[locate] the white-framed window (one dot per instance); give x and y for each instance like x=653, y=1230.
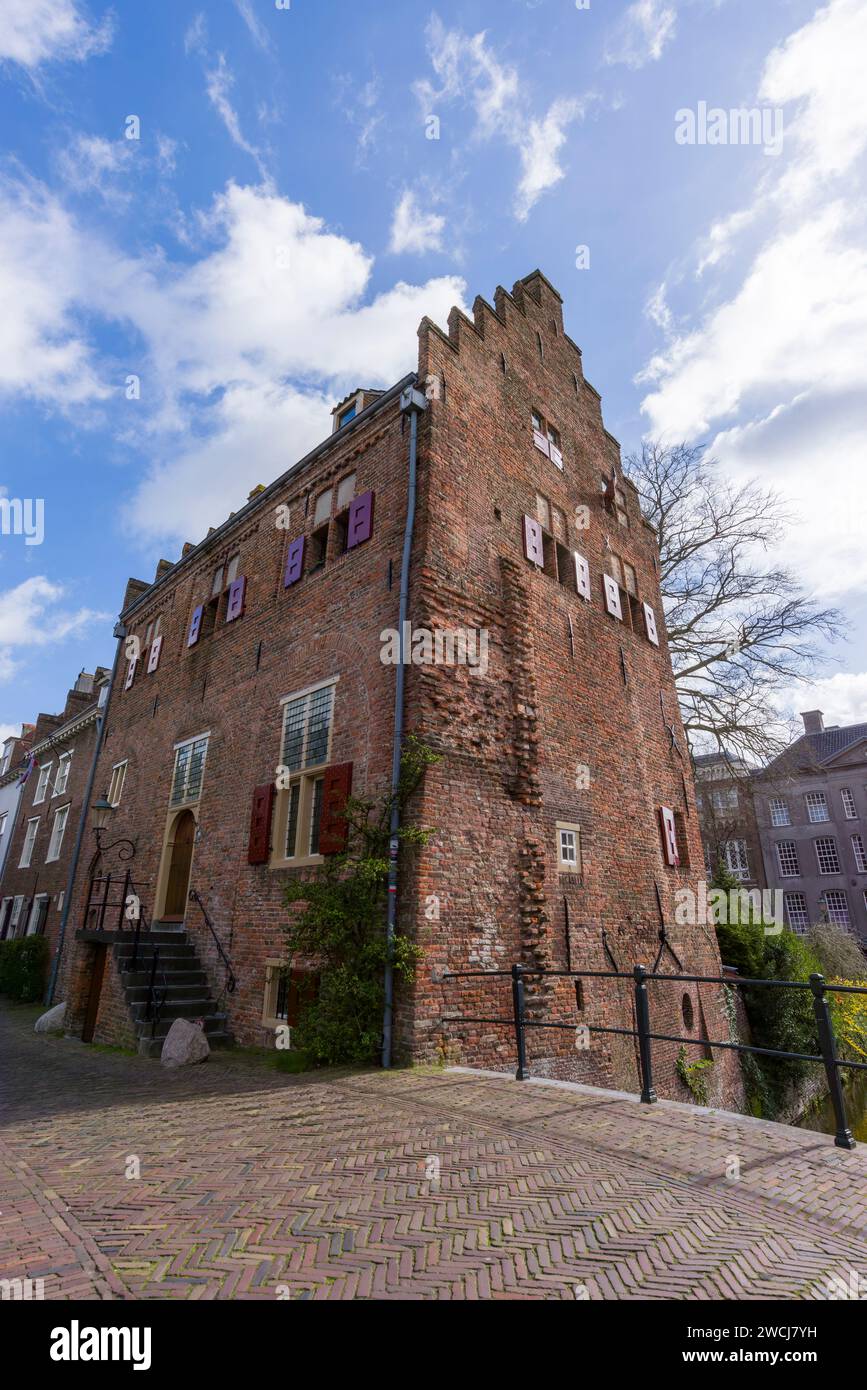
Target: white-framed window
x=860, y=856
x=189, y=769
x=4, y=816
x=736, y=860
x=836, y=905
x=827, y=856
x=849, y=809
x=724, y=798
x=305, y=750
x=817, y=806
x=29, y=842
x=60, y=898
x=115, y=786
x=62, y=775
x=787, y=858
x=42, y=782
x=568, y=848
x=61, y=816
x=17, y=905
x=38, y=914
x=796, y=911
x=779, y=811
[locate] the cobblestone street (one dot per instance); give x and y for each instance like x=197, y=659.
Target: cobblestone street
x=257, y=1184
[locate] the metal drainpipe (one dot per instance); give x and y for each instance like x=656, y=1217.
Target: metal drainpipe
x=120, y=634
x=413, y=401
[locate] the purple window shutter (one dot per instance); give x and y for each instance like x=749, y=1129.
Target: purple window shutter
x=195, y=625
x=533, y=548
x=235, y=605
x=294, y=562
x=360, y=520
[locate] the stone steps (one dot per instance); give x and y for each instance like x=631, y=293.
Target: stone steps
x=180, y=985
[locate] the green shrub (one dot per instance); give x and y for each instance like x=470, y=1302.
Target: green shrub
x=23, y=963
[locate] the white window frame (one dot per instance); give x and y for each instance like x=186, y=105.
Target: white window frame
x=859, y=853
x=52, y=857
x=566, y=864
x=64, y=763
x=187, y=800
x=817, y=801
x=779, y=807
x=736, y=850
x=302, y=785
x=34, y=909
x=117, y=781
x=843, y=919
x=17, y=903
x=4, y=816
x=803, y=910
x=792, y=850
x=42, y=781
x=827, y=840
x=850, y=810
x=29, y=842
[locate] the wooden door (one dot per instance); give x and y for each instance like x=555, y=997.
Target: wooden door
x=179, y=868
x=100, y=954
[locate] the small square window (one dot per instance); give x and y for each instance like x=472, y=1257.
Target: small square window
x=568, y=848
x=322, y=509
x=346, y=415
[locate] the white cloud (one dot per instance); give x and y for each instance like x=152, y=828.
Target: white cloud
x=32, y=615
x=33, y=32
x=9, y=730
x=468, y=69
x=91, y=164
x=414, y=230
x=257, y=29
x=218, y=83
x=241, y=350
x=771, y=374
x=642, y=33
x=842, y=698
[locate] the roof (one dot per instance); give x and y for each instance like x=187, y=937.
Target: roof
x=822, y=747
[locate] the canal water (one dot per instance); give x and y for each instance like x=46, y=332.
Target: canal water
x=822, y=1118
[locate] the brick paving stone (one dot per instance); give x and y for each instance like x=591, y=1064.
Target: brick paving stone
x=256, y=1185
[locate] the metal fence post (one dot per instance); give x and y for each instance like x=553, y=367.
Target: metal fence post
x=518, y=1008
x=828, y=1047
x=642, y=1017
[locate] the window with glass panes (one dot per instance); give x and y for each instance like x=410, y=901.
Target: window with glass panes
x=787, y=858
x=849, y=809
x=189, y=770
x=817, y=806
x=305, y=750
x=736, y=858
x=779, y=811
x=796, y=911
x=860, y=856
x=827, y=856
x=837, y=907
x=58, y=830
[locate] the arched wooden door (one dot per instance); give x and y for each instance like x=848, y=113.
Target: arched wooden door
x=178, y=882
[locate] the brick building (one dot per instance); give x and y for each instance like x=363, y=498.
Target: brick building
x=729, y=832
x=12, y=767
x=36, y=868
x=563, y=807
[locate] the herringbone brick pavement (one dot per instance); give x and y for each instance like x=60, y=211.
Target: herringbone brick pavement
x=258, y=1185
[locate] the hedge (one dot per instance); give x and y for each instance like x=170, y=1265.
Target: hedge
x=23, y=963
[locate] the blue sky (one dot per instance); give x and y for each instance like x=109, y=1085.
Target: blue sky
x=282, y=221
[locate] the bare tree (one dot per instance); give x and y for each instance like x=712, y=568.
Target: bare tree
x=738, y=629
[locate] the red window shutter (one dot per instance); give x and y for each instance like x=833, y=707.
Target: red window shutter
x=333, y=829
x=154, y=655
x=235, y=605
x=360, y=520
x=669, y=836
x=195, y=625
x=260, y=824
x=294, y=563
x=533, y=547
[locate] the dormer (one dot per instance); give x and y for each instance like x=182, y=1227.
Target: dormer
x=350, y=406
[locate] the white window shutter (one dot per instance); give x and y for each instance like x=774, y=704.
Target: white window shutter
x=612, y=597
x=556, y=457
x=541, y=442
x=582, y=576
x=650, y=625
x=533, y=544
x=669, y=836
x=154, y=654
x=130, y=674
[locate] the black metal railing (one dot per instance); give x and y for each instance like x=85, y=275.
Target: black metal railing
x=640, y=976
x=107, y=896
x=231, y=979
x=156, y=995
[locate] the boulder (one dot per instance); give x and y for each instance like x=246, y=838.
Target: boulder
x=52, y=1021
x=185, y=1043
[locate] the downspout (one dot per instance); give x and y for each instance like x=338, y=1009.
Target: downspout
x=412, y=401
x=120, y=634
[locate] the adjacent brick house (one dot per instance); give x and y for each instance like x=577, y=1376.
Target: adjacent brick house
x=563, y=806
x=37, y=864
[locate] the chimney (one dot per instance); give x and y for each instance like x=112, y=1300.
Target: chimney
x=813, y=721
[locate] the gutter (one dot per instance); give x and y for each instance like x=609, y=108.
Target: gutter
x=120, y=634
x=413, y=402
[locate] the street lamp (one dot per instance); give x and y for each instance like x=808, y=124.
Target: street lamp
x=102, y=813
